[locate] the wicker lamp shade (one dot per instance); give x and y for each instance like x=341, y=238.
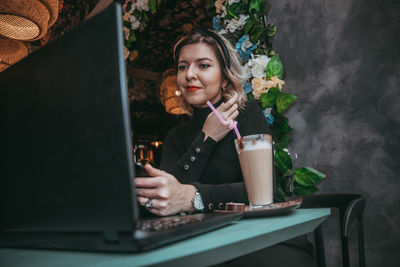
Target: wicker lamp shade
x=11, y=51
x=170, y=96
x=52, y=7
x=27, y=20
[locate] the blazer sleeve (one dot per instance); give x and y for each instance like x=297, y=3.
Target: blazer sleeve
x=188, y=167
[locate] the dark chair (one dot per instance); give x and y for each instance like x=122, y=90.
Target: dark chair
x=351, y=207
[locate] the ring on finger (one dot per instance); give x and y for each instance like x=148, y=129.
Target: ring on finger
x=149, y=203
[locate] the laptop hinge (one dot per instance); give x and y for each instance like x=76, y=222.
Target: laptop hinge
x=111, y=236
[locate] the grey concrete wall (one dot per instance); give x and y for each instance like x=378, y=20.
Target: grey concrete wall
x=342, y=60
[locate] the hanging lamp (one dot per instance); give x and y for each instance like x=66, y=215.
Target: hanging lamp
x=170, y=96
x=27, y=20
x=11, y=51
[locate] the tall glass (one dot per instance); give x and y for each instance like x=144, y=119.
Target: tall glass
x=255, y=157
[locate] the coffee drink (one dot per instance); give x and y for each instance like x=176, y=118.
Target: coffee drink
x=255, y=157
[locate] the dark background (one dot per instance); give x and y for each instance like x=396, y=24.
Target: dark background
x=341, y=59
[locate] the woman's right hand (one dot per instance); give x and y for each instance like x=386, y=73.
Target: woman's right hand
x=213, y=127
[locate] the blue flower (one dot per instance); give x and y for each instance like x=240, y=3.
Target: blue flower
x=247, y=87
x=217, y=23
x=244, y=47
x=268, y=116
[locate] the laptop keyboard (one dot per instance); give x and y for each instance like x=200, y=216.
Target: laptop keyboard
x=154, y=232
x=164, y=223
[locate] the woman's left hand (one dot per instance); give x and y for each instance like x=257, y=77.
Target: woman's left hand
x=168, y=196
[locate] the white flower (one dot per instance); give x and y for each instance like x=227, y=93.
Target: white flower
x=236, y=24
x=126, y=32
x=141, y=5
x=246, y=44
x=224, y=13
x=231, y=2
x=246, y=71
x=223, y=31
x=135, y=23
x=259, y=60
x=258, y=71
x=268, y=111
x=258, y=65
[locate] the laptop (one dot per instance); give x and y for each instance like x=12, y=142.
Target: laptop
x=67, y=176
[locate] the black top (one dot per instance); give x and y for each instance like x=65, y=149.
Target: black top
x=212, y=167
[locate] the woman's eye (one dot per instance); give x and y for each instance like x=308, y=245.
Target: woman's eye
x=182, y=67
x=204, y=65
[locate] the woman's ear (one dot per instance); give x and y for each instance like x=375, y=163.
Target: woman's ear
x=225, y=84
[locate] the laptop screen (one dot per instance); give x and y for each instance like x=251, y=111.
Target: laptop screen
x=66, y=137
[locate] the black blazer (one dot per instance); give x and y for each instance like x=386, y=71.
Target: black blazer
x=212, y=167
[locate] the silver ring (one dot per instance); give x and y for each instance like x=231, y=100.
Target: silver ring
x=149, y=203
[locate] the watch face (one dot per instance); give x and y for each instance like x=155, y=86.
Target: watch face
x=198, y=202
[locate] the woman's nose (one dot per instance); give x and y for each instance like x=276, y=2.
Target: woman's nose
x=190, y=73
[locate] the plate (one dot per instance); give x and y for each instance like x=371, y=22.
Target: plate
x=272, y=210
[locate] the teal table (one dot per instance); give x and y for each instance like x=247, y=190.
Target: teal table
x=237, y=239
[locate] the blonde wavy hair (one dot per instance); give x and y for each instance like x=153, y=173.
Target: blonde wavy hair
x=228, y=59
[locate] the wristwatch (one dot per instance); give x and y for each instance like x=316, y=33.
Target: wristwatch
x=197, y=202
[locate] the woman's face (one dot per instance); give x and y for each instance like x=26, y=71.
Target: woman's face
x=199, y=75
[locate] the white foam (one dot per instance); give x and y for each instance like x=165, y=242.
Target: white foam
x=259, y=145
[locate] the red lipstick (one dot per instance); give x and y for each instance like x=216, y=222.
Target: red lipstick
x=192, y=88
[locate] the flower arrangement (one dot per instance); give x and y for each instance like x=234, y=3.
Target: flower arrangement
x=244, y=24
x=136, y=14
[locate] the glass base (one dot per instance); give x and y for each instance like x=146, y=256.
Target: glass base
x=256, y=207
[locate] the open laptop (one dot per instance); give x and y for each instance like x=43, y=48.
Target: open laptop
x=66, y=163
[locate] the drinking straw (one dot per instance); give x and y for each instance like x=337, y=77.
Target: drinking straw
x=232, y=124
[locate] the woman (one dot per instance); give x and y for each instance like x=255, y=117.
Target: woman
x=200, y=167
x=200, y=170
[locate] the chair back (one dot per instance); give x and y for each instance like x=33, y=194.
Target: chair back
x=351, y=207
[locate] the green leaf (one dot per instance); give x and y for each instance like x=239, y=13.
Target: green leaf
x=127, y=24
x=132, y=37
x=230, y=11
x=271, y=30
x=255, y=5
x=282, y=143
x=283, y=101
x=128, y=6
x=283, y=160
x=153, y=6
x=145, y=17
x=137, y=13
x=301, y=190
x=268, y=99
x=283, y=194
x=249, y=25
x=274, y=67
x=280, y=127
x=256, y=35
x=308, y=176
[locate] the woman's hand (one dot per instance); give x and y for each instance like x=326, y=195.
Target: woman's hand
x=168, y=195
x=213, y=127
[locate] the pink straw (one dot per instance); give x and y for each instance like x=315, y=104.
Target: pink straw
x=232, y=124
